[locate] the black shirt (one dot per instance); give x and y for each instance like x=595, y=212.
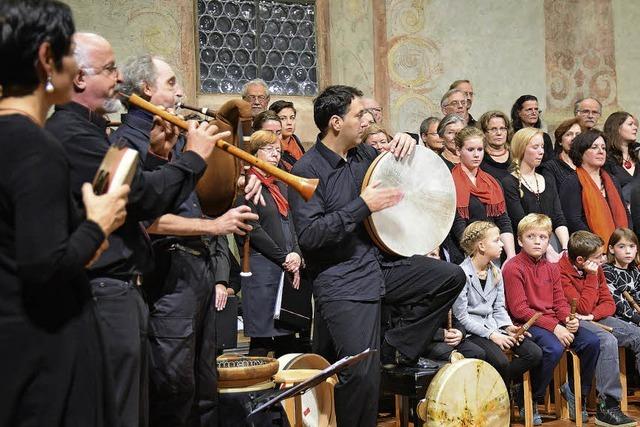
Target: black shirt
x=557, y=169
x=340, y=257
x=495, y=169
x=625, y=179
x=547, y=203
x=478, y=212
x=83, y=135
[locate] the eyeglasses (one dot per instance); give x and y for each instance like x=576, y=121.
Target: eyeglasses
x=589, y=112
x=271, y=150
x=457, y=103
x=111, y=69
x=253, y=98
x=497, y=130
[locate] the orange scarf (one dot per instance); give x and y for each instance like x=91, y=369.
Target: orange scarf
x=603, y=214
x=486, y=189
x=291, y=147
x=270, y=183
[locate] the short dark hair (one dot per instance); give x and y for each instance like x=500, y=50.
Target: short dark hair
x=583, y=243
x=424, y=126
x=517, y=106
x=24, y=26
x=581, y=144
x=333, y=101
x=280, y=105
x=263, y=117
x=561, y=130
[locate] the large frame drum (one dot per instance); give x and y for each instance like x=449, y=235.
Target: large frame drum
x=423, y=218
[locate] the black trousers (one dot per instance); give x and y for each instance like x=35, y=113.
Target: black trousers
x=528, y=352
x=442, y=351
x=123, y=317
x=183, y=382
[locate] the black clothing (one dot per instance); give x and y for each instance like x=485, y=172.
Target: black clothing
x=447, y=162
x=51, y=352
x=350, y=277
x=547, y=202
x=478, y=212
x=528, y=356
x=82, y=133
x=548, y=148
x=495, y=169
x=571, y=201
x=627, y=181
x=471, y=121
x=557, y=169
x=635, y=209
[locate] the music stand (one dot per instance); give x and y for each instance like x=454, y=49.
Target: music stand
x=313, y=381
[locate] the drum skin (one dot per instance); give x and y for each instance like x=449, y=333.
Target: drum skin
x=242, y=371
x=217, y=188
x=317, y=403
x=423, y=218
x=468, y=393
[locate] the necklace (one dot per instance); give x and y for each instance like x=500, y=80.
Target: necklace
x=495, y=153
x=526, y=184
x=24, y=113
x=627, y=162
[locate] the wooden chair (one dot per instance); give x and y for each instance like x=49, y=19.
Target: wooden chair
x=560, y=376
x=527, y=396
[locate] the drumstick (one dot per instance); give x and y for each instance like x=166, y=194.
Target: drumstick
x=574, y=306
x=522, y=329
x=246, y=262
x=605, y=327
x=631, y=301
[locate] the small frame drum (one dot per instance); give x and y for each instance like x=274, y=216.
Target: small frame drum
x=242, y=371
x=317, y=404
x=423, y=218
x=467, y=392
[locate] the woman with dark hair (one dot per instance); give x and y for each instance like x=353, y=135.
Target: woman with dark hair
x=497, y=133
x=591, y=199
x=275, y=256
x=561, y=165
x=292, y=148
x=52, y=361
x=620, y=131
x=525, y=113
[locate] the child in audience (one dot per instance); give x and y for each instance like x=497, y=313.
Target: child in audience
x=532, y=285
x=481, y=309
x=622, y=272
x=583, y=280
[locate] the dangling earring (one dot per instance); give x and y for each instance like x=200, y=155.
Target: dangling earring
x=48, y=86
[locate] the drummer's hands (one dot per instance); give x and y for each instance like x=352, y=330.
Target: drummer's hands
x=221, y=296
x=163, y=137
x=401, y=145
x=202, y=137
x=253, y=190
x=378, y=198
x=452, y=337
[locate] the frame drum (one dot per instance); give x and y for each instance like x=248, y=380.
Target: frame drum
x=467, y=392
x=317, y=403
x=423, y=218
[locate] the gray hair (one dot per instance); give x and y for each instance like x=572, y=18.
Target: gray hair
x=448, y=94
x=576, y=106
x=84, y=44
x=424, y=126
x=259, y=82
x=447, y=120
x=137, y=72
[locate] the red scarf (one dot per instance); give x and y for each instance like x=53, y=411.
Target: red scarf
x=603, y=214
x=270, y=183
x=486, y=189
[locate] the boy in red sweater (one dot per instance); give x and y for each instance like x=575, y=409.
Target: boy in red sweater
x=532, y=284
x=583, y=280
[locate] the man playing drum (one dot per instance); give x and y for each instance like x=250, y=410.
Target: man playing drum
x=350, y=276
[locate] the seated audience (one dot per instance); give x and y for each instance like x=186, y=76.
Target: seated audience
x=376, y=137
x=467, y=89
x=368, y=118
x=583, y=280
x=481, y=309
x=455, y=102
x=587, y=111
x=375, y=108
x=561, y=165
x=620, y=131
x=448, y=128
x=256, y=93
x=525, y=113
x=292, y=148
x=622, y=273
x=532, y=285
x=526, y=191
x=497, y=134
x=591, y=199
x=479, y=197
x=268, y=120
x=429, y=134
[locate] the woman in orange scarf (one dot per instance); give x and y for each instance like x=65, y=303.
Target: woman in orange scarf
x=292, y=148
x=479, y=197
x=591, y=199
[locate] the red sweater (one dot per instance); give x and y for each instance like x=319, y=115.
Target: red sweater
x=590, y=290
x=534, y=286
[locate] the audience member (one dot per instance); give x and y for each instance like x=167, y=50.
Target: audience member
x=429, y=134
x=497, y=135
x=455, y=102
x=377, y=137
x=467, y=89
x=256, y=92
x=292, y=148
x=525, y=113
x=448, y=128
x=620, y=131
x=561, y=165
x=587, y=111
x=375, y=108
x=623, y=273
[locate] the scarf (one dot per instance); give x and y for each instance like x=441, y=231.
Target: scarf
x=270, y=183
x=603, y=214
x=487, y=190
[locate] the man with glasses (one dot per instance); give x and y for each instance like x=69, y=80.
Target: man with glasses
x=455, y=102
x=467, y=89
x=256, y=93
x=588, y=111
x=375, y=108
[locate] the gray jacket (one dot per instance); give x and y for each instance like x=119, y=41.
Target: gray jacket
x=481, y=312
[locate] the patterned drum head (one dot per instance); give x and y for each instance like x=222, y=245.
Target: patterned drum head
x=422, y=219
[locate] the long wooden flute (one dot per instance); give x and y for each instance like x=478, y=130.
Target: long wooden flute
x=631, y=301
x=600, y=325
x=522, y=329
x=304, y=186
x=574, y=306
